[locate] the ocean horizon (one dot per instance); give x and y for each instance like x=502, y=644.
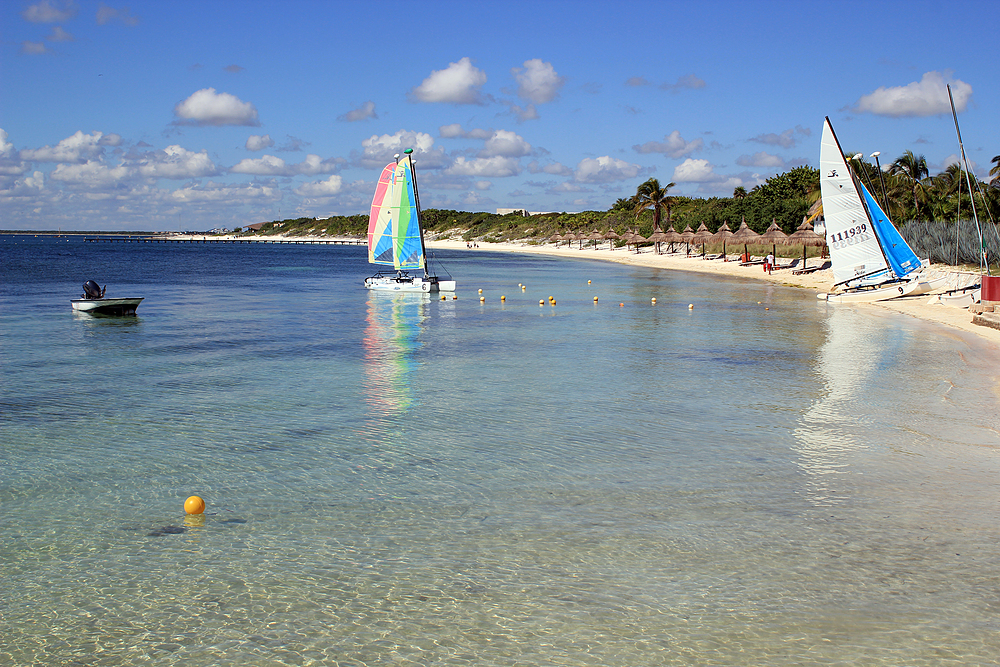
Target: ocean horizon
x=736, y=473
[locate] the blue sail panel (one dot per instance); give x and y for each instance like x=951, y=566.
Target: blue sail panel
x=899, y=254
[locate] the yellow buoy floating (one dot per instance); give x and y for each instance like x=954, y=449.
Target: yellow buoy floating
x=443, y=297
x=482, y=298
x=194, y=505
x=621, y=305
x=503, y=298
x=595, y=299
x=588, y=282
x=690, y=306
x=552, y=302
x=541, y=302
x=480, y=291
x=454, y=296
x=654, y=301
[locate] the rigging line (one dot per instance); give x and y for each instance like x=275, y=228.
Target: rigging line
x=972, y=195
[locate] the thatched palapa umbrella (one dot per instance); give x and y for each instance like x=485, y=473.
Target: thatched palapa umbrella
x=724, y=233
x=611, y=236
x=635, y=239
x=673, y=236
x=686, y=236
x=746, y=236
x=595, y=236
x=807, y=237
x=701, y=236
x=774, y=236
x=557, y=238
x=657, y=238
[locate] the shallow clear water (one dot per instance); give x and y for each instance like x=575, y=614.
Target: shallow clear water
x=404, y=480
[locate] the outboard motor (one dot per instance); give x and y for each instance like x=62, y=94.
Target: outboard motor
x=92, y=290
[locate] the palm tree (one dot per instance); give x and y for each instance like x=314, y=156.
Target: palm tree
x=739, y=193
x=995, y=171
x=651, y=195
x=913, y=169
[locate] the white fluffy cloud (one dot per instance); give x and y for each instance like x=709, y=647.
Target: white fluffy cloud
x=176, y=163
x=489, y=167
x=207, y=107
x=537, y=81
x=10, y=162
x=269, y=165
x=326, y=188
x=91, y=174
x=79, y=148
x=605, y=169
x=673, y=145
x=379, y=149
x=256, y=142
x=927, y=97
x=694, y=171
x=458, y=84
x=506, y=144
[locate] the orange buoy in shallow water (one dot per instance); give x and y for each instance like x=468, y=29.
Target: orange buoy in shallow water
x=194, y=505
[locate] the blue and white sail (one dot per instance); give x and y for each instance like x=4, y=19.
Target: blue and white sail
x=865, y=248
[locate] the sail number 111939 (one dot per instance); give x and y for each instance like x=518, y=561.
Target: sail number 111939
x=850, y=235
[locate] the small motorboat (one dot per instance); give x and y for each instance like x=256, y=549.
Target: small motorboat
x=94, y=302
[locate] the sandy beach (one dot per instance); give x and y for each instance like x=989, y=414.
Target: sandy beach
x=817, y=281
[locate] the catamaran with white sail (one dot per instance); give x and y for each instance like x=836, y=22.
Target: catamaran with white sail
x=395, y=235
x=871, y=260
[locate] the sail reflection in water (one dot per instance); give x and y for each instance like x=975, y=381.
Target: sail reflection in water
x=392, y=336
x=832, y=429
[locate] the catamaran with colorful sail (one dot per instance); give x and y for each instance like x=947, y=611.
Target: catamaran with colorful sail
x=871, y=260
x=395, y=236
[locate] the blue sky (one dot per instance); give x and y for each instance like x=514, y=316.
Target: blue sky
x=195, y=115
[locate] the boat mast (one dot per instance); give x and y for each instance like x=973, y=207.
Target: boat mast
x=416, y=196
x=972, y=195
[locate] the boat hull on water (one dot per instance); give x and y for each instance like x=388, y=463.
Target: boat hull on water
x=406, y=283
x=116, y=307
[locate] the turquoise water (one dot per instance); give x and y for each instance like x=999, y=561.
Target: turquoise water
x=404, y=480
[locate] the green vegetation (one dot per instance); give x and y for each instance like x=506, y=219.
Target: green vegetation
x=924, y=207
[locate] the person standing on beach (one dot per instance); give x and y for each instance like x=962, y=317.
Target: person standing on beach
x=769, y=263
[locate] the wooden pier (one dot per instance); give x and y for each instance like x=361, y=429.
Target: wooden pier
x=207, y=239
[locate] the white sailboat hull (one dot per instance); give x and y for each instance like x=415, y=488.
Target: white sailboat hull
x=959, y=299
x=893, y=291
x=404, y=283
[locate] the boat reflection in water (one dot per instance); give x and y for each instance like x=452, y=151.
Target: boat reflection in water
x=392, y=337
x=832, y=432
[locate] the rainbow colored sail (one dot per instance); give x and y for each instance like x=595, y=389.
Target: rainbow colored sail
x=394, y=223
